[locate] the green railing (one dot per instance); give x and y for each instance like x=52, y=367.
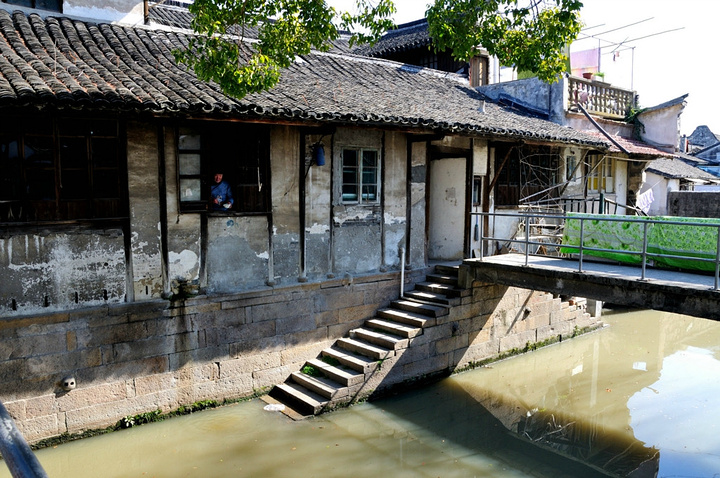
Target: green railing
x=677, y=243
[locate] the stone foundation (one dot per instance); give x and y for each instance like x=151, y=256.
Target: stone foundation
x=135, y=358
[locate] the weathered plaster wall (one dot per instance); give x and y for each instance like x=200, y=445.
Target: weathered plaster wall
x=183, y=230
x=238, y=253
x=284, y=164
x=395, y=198
x=417, y=254
x=49, y=271
x=125, y=11
x=579, y=122
x=134, y=358
x=662, y=127
x=357, y=228
x=532, y=93
x=660, y=187
x=318, y=209
x=144, y=198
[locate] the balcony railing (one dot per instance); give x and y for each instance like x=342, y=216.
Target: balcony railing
x=600, y=98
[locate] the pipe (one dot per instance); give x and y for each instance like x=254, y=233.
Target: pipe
x=402, y=272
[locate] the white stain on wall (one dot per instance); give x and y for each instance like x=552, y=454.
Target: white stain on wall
x=183, y=264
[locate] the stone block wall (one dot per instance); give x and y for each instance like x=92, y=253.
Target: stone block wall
x=694, y=204
x=135, y=358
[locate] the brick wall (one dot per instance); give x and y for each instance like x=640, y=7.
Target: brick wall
x=134, y=358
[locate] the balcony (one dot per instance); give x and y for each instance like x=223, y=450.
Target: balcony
x=599, y=98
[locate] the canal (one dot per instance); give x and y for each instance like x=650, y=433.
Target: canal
x=638, y=398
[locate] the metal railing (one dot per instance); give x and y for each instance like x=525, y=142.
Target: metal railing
x=581, y=249
x=16, y=453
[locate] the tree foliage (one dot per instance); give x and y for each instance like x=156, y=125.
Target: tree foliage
x=529, y=34
x=224, y=52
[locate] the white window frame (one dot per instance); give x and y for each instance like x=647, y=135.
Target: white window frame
x=600, y=174
x=360, y=197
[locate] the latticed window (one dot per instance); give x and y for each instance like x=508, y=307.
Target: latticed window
x=361, y=176
x=525, y=175
x=61, y=168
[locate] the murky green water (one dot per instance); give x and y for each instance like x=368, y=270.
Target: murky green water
x=639, y=398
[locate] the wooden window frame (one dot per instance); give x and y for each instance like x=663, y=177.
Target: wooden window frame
x=359, y=182
x=242, y=151
x=56, y=169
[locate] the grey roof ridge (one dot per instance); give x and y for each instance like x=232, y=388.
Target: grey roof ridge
x=403, y=66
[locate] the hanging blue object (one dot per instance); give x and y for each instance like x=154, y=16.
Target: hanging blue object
x=319, y=154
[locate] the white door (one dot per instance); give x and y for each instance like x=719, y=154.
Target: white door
x=447, y=209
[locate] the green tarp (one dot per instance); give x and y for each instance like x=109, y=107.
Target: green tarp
x=626, y=239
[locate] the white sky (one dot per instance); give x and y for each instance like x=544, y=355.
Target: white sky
x=661, y=67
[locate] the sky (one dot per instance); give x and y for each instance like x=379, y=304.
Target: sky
x=675, y=58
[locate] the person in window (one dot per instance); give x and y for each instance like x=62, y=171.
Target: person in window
x=221, y=198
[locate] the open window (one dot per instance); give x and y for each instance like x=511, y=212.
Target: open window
x=600, y=174
x=240, y=152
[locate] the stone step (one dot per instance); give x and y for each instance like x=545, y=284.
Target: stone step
x=394, y=328
x=435, y=298
x=388, y=341
x=344, y=376
x=447, y=269
x=300, y=399
x=359, y=363
x=408, y=318
x=420, y=308
x=445, y=289
x=442, y=279
x=324, y=387
x=364, y=348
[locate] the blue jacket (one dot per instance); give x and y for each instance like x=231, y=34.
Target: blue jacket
x=222, y=193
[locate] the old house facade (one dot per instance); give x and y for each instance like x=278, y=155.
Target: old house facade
x=119, y=272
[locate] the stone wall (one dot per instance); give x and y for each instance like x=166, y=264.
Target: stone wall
x=693, y=204
x=134, y=358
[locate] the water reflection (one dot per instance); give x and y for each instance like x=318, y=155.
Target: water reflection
x=635, y=399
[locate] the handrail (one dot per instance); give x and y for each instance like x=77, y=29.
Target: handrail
x=582, y=248
x=20, y=459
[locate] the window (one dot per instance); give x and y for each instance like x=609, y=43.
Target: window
x=361, y=176
x=61, y=168
x=240, y=152
x=477, y=188
x=527, y=175
x=600, y=174
x=51, y=5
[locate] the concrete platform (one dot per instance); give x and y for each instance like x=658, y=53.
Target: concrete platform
x=671, y=291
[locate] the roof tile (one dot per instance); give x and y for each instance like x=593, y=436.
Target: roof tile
x=69, y=63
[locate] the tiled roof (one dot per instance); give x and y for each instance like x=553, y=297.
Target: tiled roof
x=678, y=169
x=404, y=37
x=62, y=62
x=176, y=15
x=633, y=146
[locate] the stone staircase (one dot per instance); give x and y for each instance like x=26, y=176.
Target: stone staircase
x=341, y=372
